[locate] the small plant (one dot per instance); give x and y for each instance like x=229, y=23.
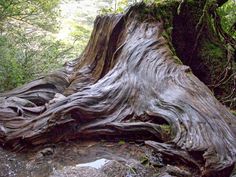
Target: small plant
x=121, y=142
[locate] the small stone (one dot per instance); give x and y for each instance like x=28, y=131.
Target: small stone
x=46, y=151
x=78, y=171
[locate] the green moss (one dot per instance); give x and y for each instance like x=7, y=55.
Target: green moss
x=163, y=11
x=144, y=160
x=210, y=50
x=159, y=10
x=177, y=60
x=213, y=56
x=121, y=142
x=166, y=129
x=233, y=112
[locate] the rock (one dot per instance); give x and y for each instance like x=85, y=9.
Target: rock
x=165, y=175
x=57, y=97
x=46, y=151
x=78, y=172
x=174, y=170
x=115, y=169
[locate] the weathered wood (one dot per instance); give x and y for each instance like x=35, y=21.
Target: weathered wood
x=128, y=83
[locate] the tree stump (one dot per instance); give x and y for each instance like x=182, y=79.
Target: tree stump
x=127, y=83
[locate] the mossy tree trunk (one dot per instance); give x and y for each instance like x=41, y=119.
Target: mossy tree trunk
x=130, y=82
x=206, y=48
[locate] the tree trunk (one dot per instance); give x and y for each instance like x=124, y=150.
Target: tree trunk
x=129, y=83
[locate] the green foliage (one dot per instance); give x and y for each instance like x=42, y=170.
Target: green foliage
x=38, y=13
x=81, y=34
x=27, y=46
x=36, y=38
x=119, y=6
x=228, y=17
x=10, y=69
x=211, y=51
x=28, y=59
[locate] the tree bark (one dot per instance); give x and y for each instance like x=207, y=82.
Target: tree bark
x=128, y=83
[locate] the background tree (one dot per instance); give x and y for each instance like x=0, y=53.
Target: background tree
x=27, y=42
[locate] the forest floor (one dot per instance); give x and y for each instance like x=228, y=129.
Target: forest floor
x=86, y=158
x=89, y=158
